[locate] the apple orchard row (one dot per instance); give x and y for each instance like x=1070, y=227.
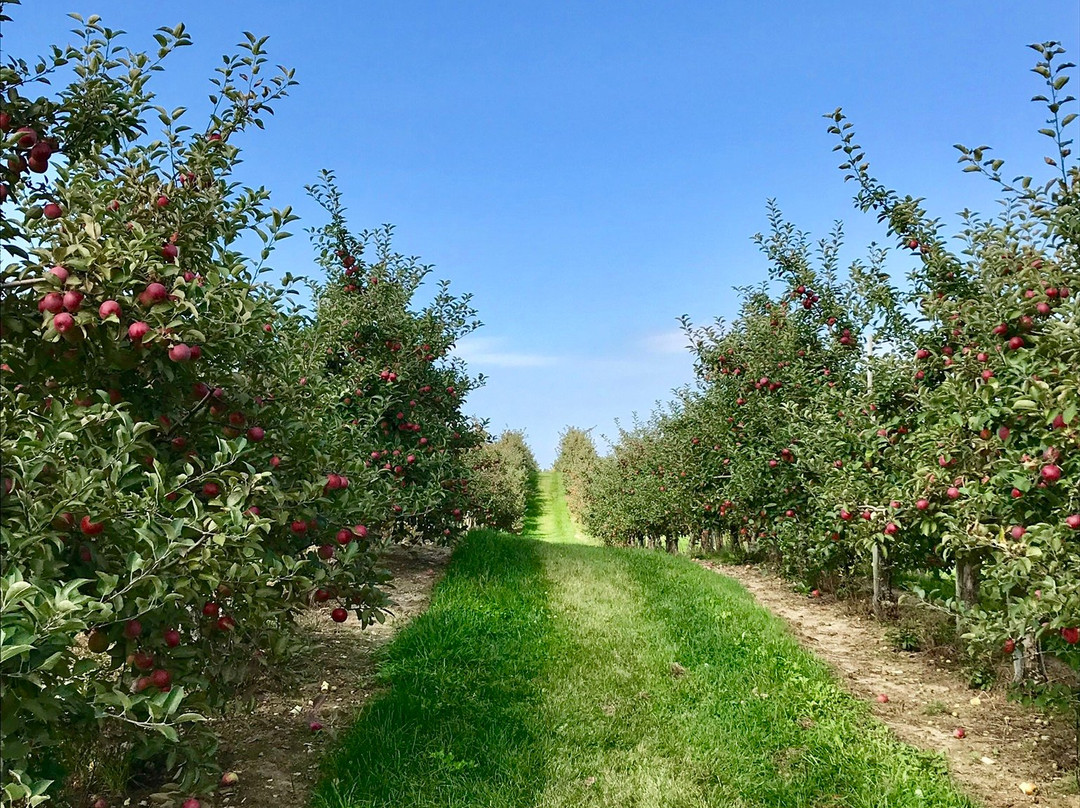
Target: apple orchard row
x=190, y=456
x=853, y=430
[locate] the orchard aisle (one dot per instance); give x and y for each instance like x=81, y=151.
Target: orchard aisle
x=555, y=673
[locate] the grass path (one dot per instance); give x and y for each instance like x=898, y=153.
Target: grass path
x=552, y=673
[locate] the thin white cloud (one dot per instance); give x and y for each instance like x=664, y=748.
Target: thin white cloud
x=487, y=352
x=666, y=342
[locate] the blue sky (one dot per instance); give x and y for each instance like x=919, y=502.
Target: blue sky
x=592, y=170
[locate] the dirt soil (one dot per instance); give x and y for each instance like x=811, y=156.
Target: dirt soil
x=272, y=749
x=1005, y=745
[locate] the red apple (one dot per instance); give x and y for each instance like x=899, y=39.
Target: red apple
x=1071, y=635
x=211, y=609
x=339, y=615
x=59, y=272
x=53, y=211
x=132, y=629
x=90, y=528
x=110, y=308
x=172, y=637
x=959, y=733
x=138, y=330
x=53, y=303
x=922, y=504
x=256, y=434
x=63, y=322
x=882, y=698
x=1050, y=472
x=73, y=300
x=180, y=352
x=160, y=678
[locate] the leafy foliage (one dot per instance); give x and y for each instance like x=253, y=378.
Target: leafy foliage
x=843, y=425
x=189, y=457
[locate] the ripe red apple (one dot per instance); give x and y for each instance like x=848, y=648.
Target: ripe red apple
x=360, y=530
x=1016, y=493
x=959, y=733
x=891, y=529
x=314, y=726
x=53, y=211
x=180, y=352
x=1073, y=521
x=169, y=253
x=226, y=623
x=172, y=637
x=1071, y=635
x=256, y=434
x=138, y=330
x=344, y=536
x=90, y=528
x=1017, y=532
x=1050, y=472
x=815, y=593
x=210, y=609
x=298, y=527
x=1009, y=646
x=922, y=504
x=953, y=492
x=58, y=272
x=142, y=660
x=882, y=698
x=53, y=303
x=321, y=596
x=73, y=300
x=162, y=201
x=110, y=308
x=63, y=322
x=339, y=615
x=326, y=551
x=132, y=629
x=211, y=489
x=155, y=293
x=191, y=803
x=160, y=678
x=275, y=461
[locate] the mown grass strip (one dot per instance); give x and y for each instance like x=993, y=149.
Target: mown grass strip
x=457, y=726
x=563, y=675
x=548, y=517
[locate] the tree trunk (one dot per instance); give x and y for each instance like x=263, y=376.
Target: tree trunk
x=1027, y=660
x=968, y=569
x=672, y=544
x=882, y=586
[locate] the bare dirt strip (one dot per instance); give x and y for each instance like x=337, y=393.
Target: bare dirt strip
x=1005, y=744
x=272, y=749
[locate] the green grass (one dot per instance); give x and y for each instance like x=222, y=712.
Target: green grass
x=554, y=673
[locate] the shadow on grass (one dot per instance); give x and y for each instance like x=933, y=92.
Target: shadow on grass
x=536, y=502
x=458, y=725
